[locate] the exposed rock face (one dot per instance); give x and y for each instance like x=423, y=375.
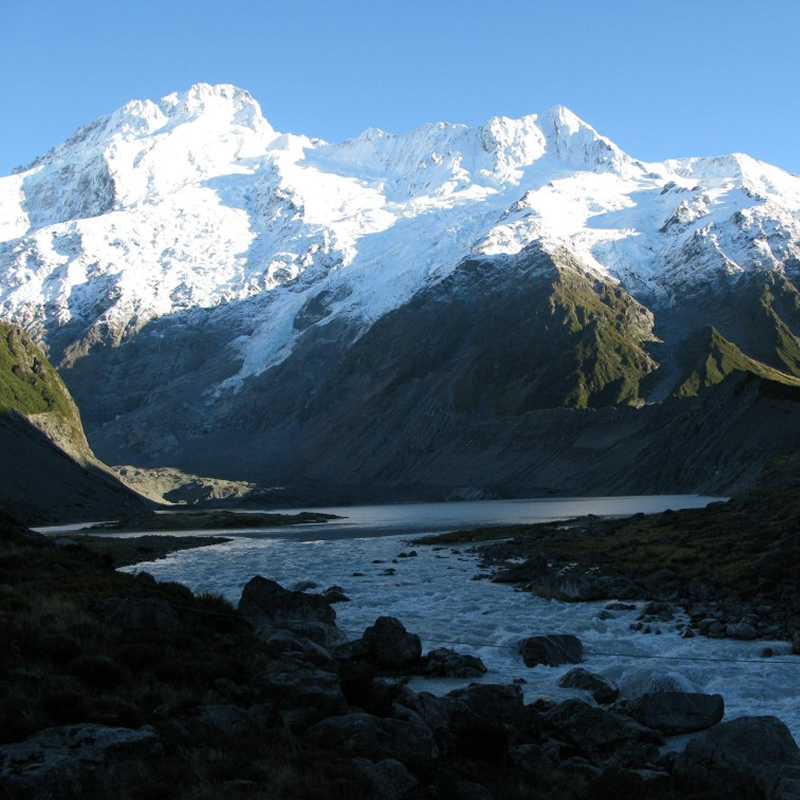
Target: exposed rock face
x=751, y=757
x=58, y=762
x=268, y=607
x=677, y=712
x=551, y=650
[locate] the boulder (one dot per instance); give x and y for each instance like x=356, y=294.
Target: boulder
x=432, y=710
x=281, y=642
x=648, y=680
x=741, y=630
x=268, y=607
x=603, y=691
x=490, y=701
x=377, y=738
x=552, y=650
x=391, y=646
x=63, y=762
x=446, y=663
x=335, y=594
x=138, y=612
x=599, y=735
x=676, y=712
x=747, y=757
x=389, y=779
x=292, y=683
x=663, y=584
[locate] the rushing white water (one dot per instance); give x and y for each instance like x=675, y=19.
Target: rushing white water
x=441, y=595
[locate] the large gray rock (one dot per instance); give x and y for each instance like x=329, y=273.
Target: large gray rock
x=490, y=701
x=268, y=607
x=408, y=740
x=391, y=646
x=677, y=712
x=61, y=762
x=551, y=650
x=749, y=757
x=445, y=663
x=603, y=690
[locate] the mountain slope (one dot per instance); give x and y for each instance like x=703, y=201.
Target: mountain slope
x=233, y=301
x=48, y=473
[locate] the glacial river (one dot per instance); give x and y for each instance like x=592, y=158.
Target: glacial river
x=441, y=595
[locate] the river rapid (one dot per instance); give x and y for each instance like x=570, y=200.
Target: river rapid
x=441, y=594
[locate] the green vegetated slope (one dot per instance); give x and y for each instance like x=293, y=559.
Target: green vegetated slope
x=30, y=386
x=747, y=327
x=507, y=339
x=717, y=358
x=48, y=472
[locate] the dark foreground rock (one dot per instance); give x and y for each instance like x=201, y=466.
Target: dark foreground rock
x=389, y=779
x=750, y=757
x=391, y=645
x=604, y=737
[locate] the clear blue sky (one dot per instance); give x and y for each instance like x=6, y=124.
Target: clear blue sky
x=661, y=78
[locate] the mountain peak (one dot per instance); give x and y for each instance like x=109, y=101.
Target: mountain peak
x=221, y=100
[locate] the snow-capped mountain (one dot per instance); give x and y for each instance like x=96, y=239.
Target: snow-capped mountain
x=225, y=274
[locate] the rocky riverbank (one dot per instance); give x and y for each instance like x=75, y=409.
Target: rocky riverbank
x=731, y=567
x=114, y=683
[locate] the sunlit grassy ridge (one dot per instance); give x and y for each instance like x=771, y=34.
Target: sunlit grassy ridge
x=717, y=358
x=28, y=383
